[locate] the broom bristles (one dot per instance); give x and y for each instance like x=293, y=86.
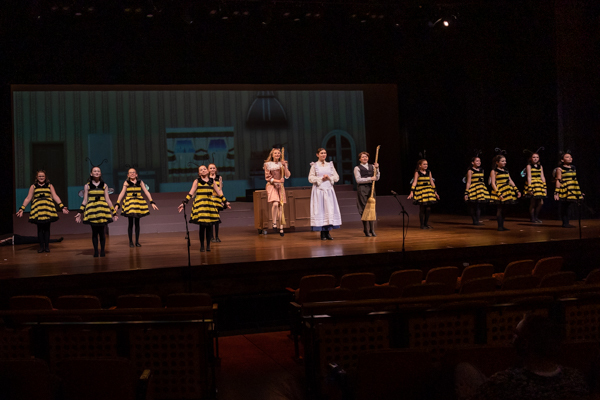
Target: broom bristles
x=369, y=212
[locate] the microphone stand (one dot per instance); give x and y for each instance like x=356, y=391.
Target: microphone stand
x=404, y=223
x=189, y=245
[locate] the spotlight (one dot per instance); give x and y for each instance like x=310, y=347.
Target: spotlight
x=446, y=23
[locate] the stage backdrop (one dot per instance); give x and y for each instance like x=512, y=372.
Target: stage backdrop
x=164, y=131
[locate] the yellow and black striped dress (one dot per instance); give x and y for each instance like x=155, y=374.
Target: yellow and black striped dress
x=569, y=186
x=219, y=201
x=43, y=209
x=423, y=192
x=478, y=192
x=204, y=210
x=508, y=192
x=537, y=189
x=134, y=204
x=97, y=211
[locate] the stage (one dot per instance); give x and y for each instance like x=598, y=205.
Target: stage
x=247, y=262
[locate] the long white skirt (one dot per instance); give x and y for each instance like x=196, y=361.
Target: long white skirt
x=324, y=208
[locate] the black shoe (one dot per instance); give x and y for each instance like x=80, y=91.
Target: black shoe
x=281, y=232
x=213, y=240
x=60, y=239
x=275, y=228
x=533, y=221
x=367, y=234
x=323, y=235
x=95, y=254
x=130, y=244
x=328, y=236
x=503, y=229
x=138, y=245
x=428, y=227
x=537, y=221
x=218, y=240
x=568, y=226
x=47, y=249
x=202, y=249
x=477, y=223
x=102, y=254
x=373, y=234
x=41, y=250
x=423, y=227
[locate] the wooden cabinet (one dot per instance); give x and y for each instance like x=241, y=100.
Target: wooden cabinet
x=297, y=208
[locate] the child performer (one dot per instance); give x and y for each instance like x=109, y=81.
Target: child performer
x=535, y=187
x=476, y=192
x=275, y=179
x=567, y=187
x=220, y=201
x=134, y=205
x=324, y=209
x=97, y=209
x=364, y=173
x=204, y=210
x=504, y=190
x=423, y=192
x=43, y=211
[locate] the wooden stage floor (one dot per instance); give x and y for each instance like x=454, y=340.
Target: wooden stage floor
x=245, y=261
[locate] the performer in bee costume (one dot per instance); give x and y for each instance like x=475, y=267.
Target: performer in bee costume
x=97, y=209
x=423, y=192
x=364, y=173
x=134, y=205
x=476, y=193
x=220, y=201
x=535, y=186
x=504, y=190
x=43, y=210
x=204, y=210
x=567, y=187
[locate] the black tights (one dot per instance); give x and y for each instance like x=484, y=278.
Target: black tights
x=424, y=213
x=475, y=210
x=43, y=231
x=98, y=231
x=205, y=231
x=137, y=229
x=500, y=216
x=564, y=212
x=535, y=205
x=217, y=229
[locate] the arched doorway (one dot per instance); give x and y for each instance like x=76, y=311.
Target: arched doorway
x=342, y=151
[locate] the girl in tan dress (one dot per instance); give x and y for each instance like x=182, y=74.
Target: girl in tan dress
x=276, y=172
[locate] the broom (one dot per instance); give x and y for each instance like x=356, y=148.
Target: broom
x=281, y=204
x=369, y=212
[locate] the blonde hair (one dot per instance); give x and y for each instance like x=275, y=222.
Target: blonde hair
x=270, y=158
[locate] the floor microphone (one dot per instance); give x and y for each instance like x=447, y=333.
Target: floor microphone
x=394, y=193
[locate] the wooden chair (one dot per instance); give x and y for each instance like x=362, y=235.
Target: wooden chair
x=558, y=279
x=377, y=292
x=478, y=285
x=515, y=268
x=547, y=266
x=312, y=282
x=445, y=275
x=188, y=300
x=357, y=280
x=30, y=303
x=78, y=302
x=26, y=379
x=99, y=379
x=427, y=289
x=593, y=277
x=474, y=272
x=139, y=301
x=404, y=278
x=522, y=282
x=393, y=374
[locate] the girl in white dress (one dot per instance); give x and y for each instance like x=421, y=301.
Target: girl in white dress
x=324, y=208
